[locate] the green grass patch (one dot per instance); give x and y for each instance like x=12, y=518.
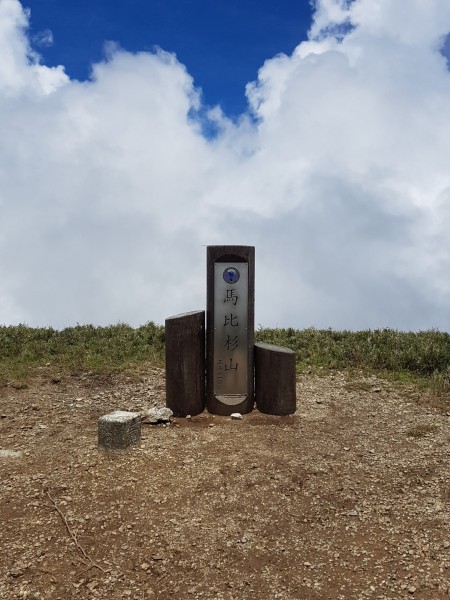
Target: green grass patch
x=423, y=352
x=84, y=347
x=419, y=358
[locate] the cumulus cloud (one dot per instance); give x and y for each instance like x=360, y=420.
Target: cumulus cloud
x=338, y=174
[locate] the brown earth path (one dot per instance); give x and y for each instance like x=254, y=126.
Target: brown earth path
x=347, y=499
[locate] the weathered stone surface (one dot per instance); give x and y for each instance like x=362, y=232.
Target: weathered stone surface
x=185, y=363
x=275, y=379
x=10, y=453
x=119, y=430
x=157, y=415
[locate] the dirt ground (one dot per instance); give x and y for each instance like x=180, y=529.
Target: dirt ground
x=347, y=499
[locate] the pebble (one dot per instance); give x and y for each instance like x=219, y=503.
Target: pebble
x=92, y=585
x=446, y=545
x=236, y=416
x=15, y=572
x=411, y=589
x=10, y=453
x=319, y=401
x=157, y=415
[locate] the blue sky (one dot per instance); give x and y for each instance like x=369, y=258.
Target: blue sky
x=334, y=163
x=222, y=44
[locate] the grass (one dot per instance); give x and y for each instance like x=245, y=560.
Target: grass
x=422, y=357
x=99, y=349
x=408, y=355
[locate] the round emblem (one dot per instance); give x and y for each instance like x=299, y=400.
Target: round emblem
x=231, y=275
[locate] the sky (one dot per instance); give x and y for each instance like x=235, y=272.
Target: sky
x=222, y=44
x=133, y=136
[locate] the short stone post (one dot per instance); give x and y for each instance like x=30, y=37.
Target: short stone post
x=185, y=363
x=119, y=430
x=275, y=379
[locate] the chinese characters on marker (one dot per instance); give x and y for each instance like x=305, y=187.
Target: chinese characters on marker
x=231, y=343
x=231, y=320
x=230, y=328
x=231, y=297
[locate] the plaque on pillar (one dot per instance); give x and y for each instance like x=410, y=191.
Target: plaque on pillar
x=230, y=329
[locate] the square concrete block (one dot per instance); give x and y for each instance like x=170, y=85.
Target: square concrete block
x=119, y=430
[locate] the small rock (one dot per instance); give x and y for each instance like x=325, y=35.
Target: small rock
x=346, y=448
x=157, y=415
x=376, y=390
x=188, y=417
x=10, y=453
x=145, y=566
x=15, y=572
x=236, y=416
x=157, y=557
x=319, y=401
x=446, y=545
x=92, y=585
x=411, y=589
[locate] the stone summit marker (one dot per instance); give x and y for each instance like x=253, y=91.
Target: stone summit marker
x=235, y=371
x=233, y=379
x=230, y=329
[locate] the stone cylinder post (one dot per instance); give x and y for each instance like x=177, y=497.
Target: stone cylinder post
x=275, y=379
x=185, y=363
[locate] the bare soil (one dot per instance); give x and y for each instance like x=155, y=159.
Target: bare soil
x=347, y=499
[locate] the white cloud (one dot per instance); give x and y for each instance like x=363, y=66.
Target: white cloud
x=109, y=191
x=43, y=38
x=20, y=71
